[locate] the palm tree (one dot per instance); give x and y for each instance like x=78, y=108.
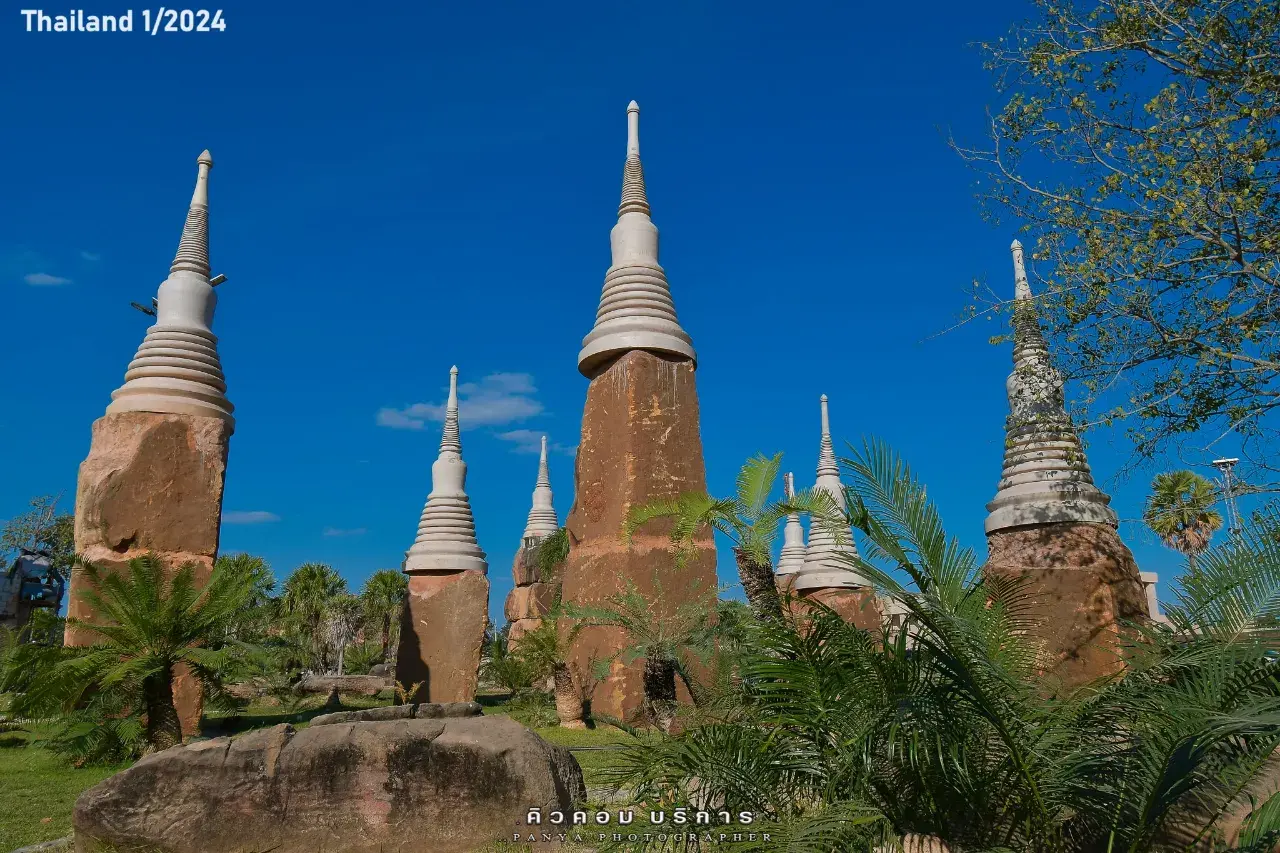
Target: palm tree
x=150, y=624
x=383, y=596
x=846, y=740
x=343, y=616
x=305, y=595
x=544, y=653
x=256, y=614
x=748, y=518
x=1179, y=511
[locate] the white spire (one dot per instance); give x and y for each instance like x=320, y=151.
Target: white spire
x=824, y=566
x=447, y=532
x=542, y=520
x=176, y=369
x=793, y=548
x=1046, y=478
x=636, y=311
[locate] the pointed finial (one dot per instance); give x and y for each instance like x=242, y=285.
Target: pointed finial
x=450, y=440
x=1021, y=289
x=634, y=199
x=193, y=247
x=633, y=130
x=789, y=485
x=826, y=420
x=544, y=472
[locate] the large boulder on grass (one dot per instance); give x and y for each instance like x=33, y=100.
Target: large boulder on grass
x=438, y=785
x=359, y=685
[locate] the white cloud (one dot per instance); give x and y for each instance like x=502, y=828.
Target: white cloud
x=256, y=516
x=348, y=531
x=92, y=257
x=499, y=398
x=530, y=441
x=43, y=278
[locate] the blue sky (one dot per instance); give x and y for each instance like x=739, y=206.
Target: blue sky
x=403, y=187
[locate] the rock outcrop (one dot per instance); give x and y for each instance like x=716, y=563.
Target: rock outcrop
x=410, y=785
x=441, y=634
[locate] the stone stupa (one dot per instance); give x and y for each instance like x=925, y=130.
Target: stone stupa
x=640, y=441
x=791, y=558
x=533, y=595
x=154, y=476
x=1049, y=524
x=827, y=574
x=447, y=604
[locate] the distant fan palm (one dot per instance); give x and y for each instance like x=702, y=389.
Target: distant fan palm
x=1180, y=512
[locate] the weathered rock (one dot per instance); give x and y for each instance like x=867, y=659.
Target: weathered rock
x=520, y=627
x=359, y=685
x=530, y=602
x=432, y=710
x=441, y=632
x=859, y=606
x=640, y=441
x=152, y=483
x=414, y=786
x=1083, y=584
x=368, y=715
x=523, y=568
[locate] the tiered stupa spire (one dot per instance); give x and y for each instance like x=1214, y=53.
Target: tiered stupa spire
x=542, y=520
x=636, y=311
x=176, y=369
x=793, y=548
x=826, y=561
x=447, y=532
x=1046, y=478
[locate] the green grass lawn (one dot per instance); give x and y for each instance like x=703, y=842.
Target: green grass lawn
x=38, y=789
x=37, y=792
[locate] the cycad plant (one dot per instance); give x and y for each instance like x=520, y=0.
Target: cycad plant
x=845, y=739
x=670, y=642
x=150, y=621
x=1180, y=511
x=749, y=519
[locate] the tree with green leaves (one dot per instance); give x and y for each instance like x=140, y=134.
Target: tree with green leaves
x=150, y=622
x=304, y=597
x=845, y=739
x=1139, y=143
x=748, y=518
x=41, y=528
x=383, y=597
x=344, y=615
x=251, y=622
x=1180, y=511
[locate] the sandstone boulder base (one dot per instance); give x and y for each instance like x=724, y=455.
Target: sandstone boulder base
x=441, y=632
x=520, y=627
x=523, y=568
x=530, y=602
x=640, y=441
x=859, y=607
x=1083, y=584
x=151, y=483
x=409, y=785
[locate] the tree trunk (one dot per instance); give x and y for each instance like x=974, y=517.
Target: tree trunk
x=386, y=634
x=163, y=727
x=660, y=692
x=759, y=585
x=342, y=650
x=568, y=698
